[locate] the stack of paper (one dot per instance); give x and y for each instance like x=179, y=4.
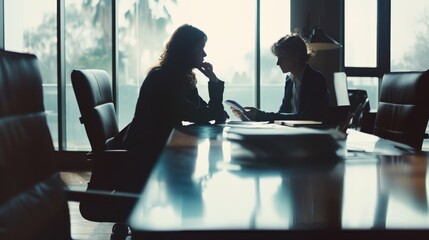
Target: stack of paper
x=288, y=144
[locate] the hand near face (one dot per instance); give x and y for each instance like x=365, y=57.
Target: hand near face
x=207, y=69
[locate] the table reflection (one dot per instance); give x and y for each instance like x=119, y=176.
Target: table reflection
x=198, y=184
x=402, y=194
x=315, y=196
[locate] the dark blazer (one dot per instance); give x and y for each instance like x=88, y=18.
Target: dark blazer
x=313, y=99
x=162, y=105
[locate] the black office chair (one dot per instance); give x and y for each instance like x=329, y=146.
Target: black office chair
x=33, y=197
x=403, y=110
x=32, y=200
x=93, y=92
x=114, y=170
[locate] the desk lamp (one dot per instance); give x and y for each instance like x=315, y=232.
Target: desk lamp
x=319, y=41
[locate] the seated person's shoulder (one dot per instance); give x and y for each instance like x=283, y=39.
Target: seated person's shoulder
x=317, y=73
x=318, y=77
x=155, y=73
x=155, y=77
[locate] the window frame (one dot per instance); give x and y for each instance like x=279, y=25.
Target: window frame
x=2, y=25
x=383, y=44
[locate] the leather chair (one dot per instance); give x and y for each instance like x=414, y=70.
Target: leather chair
x=93, y=91
x=403, y=110
x=113, y=170
x=33, y=197
x=32, y=201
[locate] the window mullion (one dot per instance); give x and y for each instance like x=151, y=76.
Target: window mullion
x=61, y=82
x=383, y=31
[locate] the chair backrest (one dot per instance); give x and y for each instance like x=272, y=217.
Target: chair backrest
x=32, y=201
x=94, y=96
x=403, y=110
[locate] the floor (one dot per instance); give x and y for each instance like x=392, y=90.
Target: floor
x=81, y=228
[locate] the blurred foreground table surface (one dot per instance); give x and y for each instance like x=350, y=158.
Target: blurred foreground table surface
x=200, y=190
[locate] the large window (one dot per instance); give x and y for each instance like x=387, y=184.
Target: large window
x=384, y=36
x=88, y=44
x=379, y=36
x=360, y=46
x=409, y=35
x=31, y=26
x=360, y=38
x=275, y=23
x=142, y=29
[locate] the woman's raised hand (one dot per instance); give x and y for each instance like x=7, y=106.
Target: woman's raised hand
x=207, y=69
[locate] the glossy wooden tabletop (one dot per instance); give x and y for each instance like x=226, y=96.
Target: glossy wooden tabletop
x=201, y=188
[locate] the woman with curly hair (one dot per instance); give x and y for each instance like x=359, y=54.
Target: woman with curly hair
x=169, y=94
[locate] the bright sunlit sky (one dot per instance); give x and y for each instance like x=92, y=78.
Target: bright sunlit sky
x=230, y=26
x=405, y=25
x=220, y=23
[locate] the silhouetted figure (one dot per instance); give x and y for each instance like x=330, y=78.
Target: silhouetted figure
x=306, y=94
x=169, y=95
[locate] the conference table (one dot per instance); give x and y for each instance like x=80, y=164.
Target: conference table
x=208, y=185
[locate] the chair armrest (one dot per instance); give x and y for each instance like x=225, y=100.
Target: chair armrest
x=115, y=155
x=103, y=206
x=100, y=195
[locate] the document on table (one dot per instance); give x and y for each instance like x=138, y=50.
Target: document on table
x=249, y=124
x=288, y=145
x=234, y=105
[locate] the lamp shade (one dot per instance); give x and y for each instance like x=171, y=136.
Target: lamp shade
x=319, y=41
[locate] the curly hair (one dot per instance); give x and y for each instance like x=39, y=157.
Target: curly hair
x=178, y=52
